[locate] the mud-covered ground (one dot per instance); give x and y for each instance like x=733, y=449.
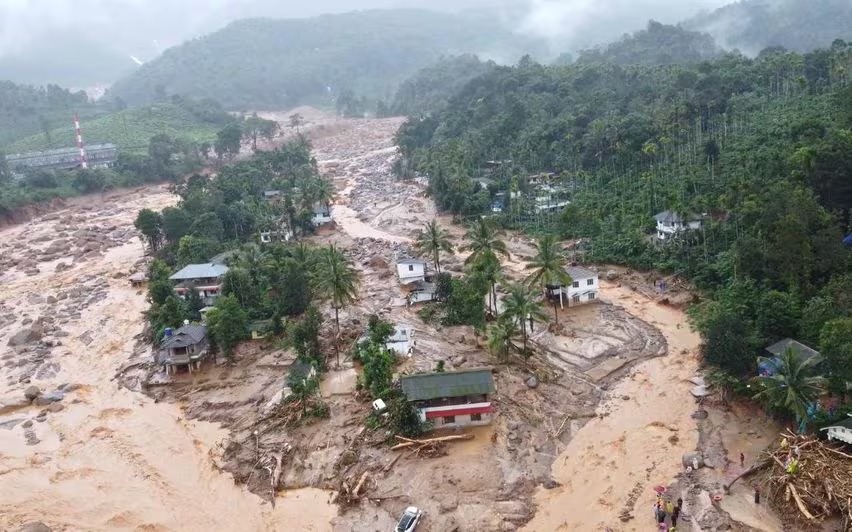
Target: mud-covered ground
x=582, y=432
x=483, y=484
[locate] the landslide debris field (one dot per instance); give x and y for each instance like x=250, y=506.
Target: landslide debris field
x=70, y=327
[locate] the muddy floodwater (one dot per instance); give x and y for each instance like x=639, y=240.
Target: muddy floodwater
x=110, y=459
x=89, y=454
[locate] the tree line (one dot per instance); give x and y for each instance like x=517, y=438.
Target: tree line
x=758, y=148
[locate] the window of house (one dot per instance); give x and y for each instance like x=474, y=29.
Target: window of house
x=576, y=298
x=411, y=267
x=476, y=417
x=591, y=296
x=449, y=419
x=590, y=282
x=576, y=284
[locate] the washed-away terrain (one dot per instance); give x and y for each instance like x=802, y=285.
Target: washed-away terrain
x=93, y=437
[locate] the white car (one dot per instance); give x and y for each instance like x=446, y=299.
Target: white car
x=409, y=520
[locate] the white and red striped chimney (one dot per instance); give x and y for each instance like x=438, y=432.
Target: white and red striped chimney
x=83, y=162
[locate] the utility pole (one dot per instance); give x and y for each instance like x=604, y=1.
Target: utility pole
x=83, y=162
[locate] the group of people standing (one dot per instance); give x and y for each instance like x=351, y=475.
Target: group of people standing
x=664, y=509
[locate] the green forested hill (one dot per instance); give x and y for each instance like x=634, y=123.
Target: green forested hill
x=761, y=148
x=800, y=25
x=658, y=44
x=432, y=87
x=263, y=62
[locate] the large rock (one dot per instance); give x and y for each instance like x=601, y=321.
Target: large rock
x=11, y=404
x=32, y=392
x=26, y=336
x=35, y=526
x=532, y=382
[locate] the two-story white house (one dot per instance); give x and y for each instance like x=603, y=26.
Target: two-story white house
x=410, y=270
x=670, y=223
x=584, y=286
x=206, y=279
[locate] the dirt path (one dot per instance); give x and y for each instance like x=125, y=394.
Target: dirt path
x=629, y=449
x=110, y=458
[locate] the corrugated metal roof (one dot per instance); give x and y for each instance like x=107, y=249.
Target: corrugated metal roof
x=185, y=336
x=577, y=273
x=778, y=348
x=845, y=423
x=449, y=384
x=200, y=271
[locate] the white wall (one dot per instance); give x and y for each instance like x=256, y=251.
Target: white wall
x=411, y=271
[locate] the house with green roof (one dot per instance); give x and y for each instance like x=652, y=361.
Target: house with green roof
x=451, y=399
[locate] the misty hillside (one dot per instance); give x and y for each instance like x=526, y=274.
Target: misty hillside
x=263, y=62
x=432, y=87
x=66, y=59
x=800, y=25
x=658, y=44
x=26, y=110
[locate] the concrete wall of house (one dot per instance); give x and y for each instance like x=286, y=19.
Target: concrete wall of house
x=466, y=420
x=411, y=271
x=420, y=297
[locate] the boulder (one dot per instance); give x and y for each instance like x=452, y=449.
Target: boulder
x=35, y=526
x=26, y=336
x=611, y=275
x=55, y=407
x=32, y=392
x=10, y=404
x=47, y=399
x=532, y=382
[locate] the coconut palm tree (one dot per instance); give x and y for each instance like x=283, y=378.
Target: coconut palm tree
x=487, y=269
x=548, y=267
x=484, y=238
x=795, y=386
x=521, y=307
x=337, y=280
x=434, y=239
x=501, y=338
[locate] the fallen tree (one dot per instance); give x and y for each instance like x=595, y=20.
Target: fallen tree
x=430, y=446
x=807, y=480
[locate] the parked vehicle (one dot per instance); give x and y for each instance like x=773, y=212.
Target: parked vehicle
x=409, y=520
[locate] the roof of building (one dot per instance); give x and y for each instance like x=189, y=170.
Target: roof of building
x=223, y=257
x=200, y=271
x=185, y=336
x=670, y=217
x=271, y=193
x=411, y=261
x=577, y=273
x=845, y=423
x=779, y=347
x=447, y=384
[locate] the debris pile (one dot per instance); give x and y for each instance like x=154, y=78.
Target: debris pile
x=807, y=480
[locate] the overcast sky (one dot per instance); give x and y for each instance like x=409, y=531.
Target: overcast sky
x=141, y=27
